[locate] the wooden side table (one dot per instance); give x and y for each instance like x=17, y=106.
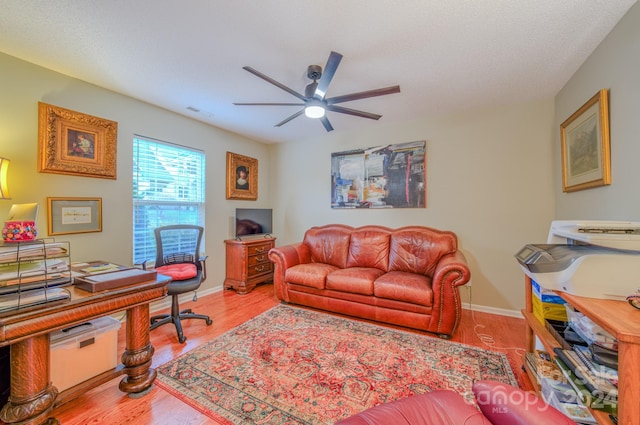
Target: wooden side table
x=248, y=263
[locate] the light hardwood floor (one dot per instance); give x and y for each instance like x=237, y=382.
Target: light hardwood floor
x=107, y=405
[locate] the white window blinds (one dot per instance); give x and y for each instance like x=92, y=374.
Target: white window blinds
x=168, y=188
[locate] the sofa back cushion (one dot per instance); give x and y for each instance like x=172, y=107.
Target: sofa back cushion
x=329, y=244
x=369, y=247
x=417, y=249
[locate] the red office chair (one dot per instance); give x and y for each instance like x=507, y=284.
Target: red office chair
x=178, y=256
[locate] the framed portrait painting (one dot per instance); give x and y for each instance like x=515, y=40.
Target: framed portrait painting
x=242, y=177
x=586, y=156
x=73, y=143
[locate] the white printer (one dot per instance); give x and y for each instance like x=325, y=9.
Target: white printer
x=596, y=259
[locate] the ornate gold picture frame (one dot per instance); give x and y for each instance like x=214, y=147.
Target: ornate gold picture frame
x=73, y=143
x=586, y=156
x=242, y=177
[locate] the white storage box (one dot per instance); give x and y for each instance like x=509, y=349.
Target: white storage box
x=84, y=351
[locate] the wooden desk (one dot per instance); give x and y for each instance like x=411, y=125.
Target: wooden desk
x=32, y=393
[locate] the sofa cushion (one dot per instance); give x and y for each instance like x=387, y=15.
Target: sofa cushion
x=309, y=274
x=404, y=286
x=369, y=248
x=356, y=280
x=329, y=245
x=440, y=407
x=504, y=404
x=419, y=250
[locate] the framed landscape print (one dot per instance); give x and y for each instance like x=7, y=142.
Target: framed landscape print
x=586, y=161
x=73, y=143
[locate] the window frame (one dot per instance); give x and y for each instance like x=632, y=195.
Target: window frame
x=179, y=199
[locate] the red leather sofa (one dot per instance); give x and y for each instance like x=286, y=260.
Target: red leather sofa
x=496, y=404
x=407, y=276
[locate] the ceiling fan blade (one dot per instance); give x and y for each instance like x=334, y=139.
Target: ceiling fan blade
x=269, y=104
x=354, y=112
x=286, y=120
x=274, y=82
x=327, y=125
x=363, y=95
x=327, y=75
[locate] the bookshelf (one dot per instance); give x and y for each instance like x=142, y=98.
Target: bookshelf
x=620, y=320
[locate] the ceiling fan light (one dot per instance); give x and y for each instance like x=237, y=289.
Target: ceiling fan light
x=314, y=111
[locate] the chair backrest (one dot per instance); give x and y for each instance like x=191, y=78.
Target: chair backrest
x=178, y=243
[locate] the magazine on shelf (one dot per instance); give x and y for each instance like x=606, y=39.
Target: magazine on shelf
x=601, y=371
x=597, y=400
x=563, y=397
x=594, y=383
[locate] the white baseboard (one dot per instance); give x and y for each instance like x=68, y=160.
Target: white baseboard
x=166, y=303
x=493, y=310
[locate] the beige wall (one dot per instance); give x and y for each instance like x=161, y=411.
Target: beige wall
x=489, y=179
x=23, y=85
x=493, y=175
x=614, y=65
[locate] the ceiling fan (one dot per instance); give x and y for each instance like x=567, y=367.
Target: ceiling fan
x=314, y=101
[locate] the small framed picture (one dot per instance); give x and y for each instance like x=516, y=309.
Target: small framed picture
x=74, y=215
x=586, y=161
x=242, y=177
x=77, y=144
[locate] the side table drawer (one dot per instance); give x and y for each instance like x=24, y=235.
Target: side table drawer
x=258, y=259
x=259, y=249
x=260, y=269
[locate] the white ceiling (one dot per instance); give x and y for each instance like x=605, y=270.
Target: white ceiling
x=446, y=55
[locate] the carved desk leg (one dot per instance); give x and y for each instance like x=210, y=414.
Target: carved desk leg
x=32, y=394
x=138, y=353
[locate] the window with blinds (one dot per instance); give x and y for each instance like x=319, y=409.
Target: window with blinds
x=168, y=188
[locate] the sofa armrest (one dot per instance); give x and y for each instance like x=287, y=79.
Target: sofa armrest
x=282, y=258
x=451, y=271
x=435, y=407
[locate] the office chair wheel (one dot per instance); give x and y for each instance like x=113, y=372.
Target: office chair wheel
x=208, y=322
x=182, y=339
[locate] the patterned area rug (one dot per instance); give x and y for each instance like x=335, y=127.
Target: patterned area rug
x=295, y=366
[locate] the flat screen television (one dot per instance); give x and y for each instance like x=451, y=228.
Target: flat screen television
x=254, y=221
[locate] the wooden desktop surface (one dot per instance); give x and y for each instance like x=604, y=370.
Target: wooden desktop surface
x=27, y=331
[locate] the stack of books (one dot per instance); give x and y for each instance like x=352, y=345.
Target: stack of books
x=595, y=386
x=542, y=366
x=554, y=387
x=563, y=397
